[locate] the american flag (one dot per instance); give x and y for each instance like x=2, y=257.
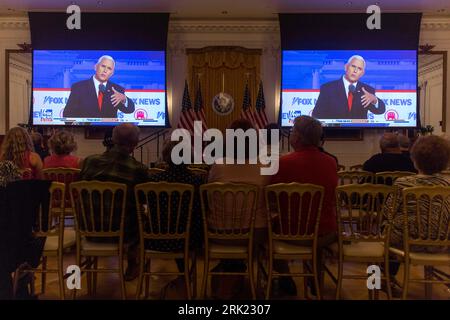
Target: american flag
x=198, y=108
x=246, y=112
x=260, y=106
x=187, y=115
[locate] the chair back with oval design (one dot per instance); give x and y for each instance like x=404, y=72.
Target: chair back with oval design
x=294, y=212
x=164, y=214
x=355, y=177
x=99, y=209
x=66, y=176
x=229, y=214
x=364, y=222
x=426, y=235
x=389, y=177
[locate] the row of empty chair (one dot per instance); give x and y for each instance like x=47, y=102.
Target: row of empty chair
x=361, y=176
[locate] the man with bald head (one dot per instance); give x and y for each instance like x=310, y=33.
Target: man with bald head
x=348, y=98
x=98, y=97
x=390, y=158
x=117, y=165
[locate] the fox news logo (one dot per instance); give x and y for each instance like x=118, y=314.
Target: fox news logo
x=44, y=114
x=55, y=100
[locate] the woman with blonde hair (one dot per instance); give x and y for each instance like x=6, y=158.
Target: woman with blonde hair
x=18, y=148
x=62, y=144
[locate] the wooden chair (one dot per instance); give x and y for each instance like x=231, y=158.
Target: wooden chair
x=66, y=176
x=199, y=172
x=228, y=217
x=355, y=177
x=389, y=177
x=164, y=214
x=99, y=209
x=363, y=229
x=417, y=232
x=293, y=221
x=50, y=225
x=356, y=167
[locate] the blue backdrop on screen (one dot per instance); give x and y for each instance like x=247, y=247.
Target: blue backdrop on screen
x=139, y=75
x=134, y=69
x=384, y=69
x=391, y=73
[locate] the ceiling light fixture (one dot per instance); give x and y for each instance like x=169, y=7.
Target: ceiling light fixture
x=99, y=3
x=349, y=3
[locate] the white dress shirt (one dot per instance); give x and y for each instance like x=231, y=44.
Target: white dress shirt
x=97, y=84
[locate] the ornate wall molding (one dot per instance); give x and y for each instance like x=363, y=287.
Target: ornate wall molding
x=435, y=23
x=431, y=68
x=223, y=26
x=14, y=23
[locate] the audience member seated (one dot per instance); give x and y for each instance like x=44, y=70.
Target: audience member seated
x=117, y=165
x=38, y=144
x=390, y=158
x=18, y=148
x=62, y=144
x=404, y=144
x=271, y=127
x=9, y=172
x=179, y=173
x=431, y=155
x=322, y=142
x=245, y=173
x=107, y=139
x=308, y=164
x=18, y=244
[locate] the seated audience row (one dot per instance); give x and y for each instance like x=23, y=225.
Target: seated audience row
x=307, y=164
x=25, y=151
x=392, y=157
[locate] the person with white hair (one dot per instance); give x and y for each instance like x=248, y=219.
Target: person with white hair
x=390, y=158
x=347, y=97
x=98, y=97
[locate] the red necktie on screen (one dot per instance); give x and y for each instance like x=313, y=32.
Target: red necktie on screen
x=101, y=89
x=351, y=89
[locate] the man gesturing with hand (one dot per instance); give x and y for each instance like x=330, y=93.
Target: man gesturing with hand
x=348, y=98
x=98, y=97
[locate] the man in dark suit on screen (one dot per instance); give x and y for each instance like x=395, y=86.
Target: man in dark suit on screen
x=348, y=98
x=97, y=97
